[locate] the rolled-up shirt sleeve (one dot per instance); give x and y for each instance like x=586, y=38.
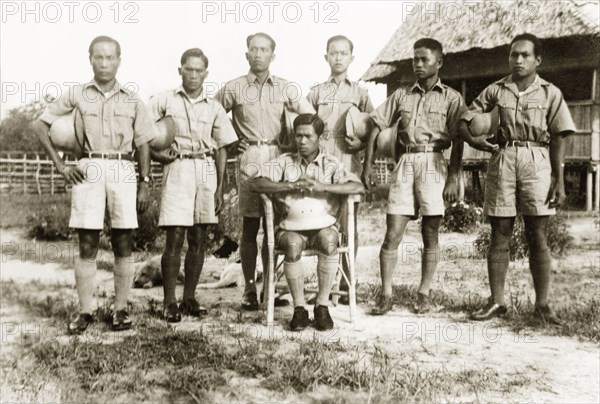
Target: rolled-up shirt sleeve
x=222, y=130
x=559, y=116
x=485, y=102
x=387, y=113
x=456, y=110
x=62, y=106
x=144, y=128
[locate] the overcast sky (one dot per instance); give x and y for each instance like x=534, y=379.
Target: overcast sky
x=44, y=44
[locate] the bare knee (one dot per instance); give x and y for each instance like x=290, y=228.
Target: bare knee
x=327, y=241
x=121, y=241
x=292, y=245
x=174, y=242
x=195, y=238
x=89, y=240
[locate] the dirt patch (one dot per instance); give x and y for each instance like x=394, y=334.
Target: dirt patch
x=530, y=365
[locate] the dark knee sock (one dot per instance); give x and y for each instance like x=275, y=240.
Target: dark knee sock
x=248, y=251
x=193, y=268
x=540, y=265
x=498, y=260
x=169, y=265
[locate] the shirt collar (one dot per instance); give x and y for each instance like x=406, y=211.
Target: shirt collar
x=201, y=97
x=535, y=84
x=331, y=79
x=253, y=77
x=438, y=84
x=318, y=160
x=116, y=88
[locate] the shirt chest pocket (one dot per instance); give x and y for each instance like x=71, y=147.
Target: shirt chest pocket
x=201, y=130
x=124, y=117
x=91, y=122
x=507, y=112
x=534, y=113
x=436, y=118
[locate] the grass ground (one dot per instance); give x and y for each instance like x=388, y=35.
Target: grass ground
x=231, y=357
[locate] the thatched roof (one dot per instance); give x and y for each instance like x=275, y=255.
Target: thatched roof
x=486, y=24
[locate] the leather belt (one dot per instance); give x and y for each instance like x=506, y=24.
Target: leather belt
x=421, y=148
x=108, y=156
x=262, y=142
x=521, y=143
x=194, y=155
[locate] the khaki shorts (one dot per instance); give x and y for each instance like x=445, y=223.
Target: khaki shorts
x=188, y=193
x=309, y=237
x=249, y=164
x=108, y=183
x=518, y=180
x=418, y=185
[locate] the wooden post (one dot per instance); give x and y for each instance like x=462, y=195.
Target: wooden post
x=24, y=173
x=588, y=189
x=597, y=196
x=51, y=179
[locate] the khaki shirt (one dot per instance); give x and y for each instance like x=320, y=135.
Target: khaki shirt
x=325, y=169
x=201, y=124
x=331, y=101
x=539, y=112
x=112, y=121
x=427, y=117
x=258, y=111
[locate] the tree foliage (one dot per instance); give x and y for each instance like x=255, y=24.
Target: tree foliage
x=16, y=131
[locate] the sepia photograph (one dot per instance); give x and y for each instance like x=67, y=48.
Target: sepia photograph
x=300, y=201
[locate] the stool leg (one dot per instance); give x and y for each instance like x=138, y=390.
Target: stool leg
x=336, y=286
x=270, y=281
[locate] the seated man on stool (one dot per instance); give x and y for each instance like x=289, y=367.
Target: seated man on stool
x=306, y=187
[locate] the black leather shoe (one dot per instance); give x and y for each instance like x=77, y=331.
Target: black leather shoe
x=383, y=305
x=547, y=315
x=80, y=324
x=121, y=321
x=491, y=310
x=249, y=302
x=423, y=304
x=323, y=321
x=300, y=319
x=191, y=307
x=171, y=313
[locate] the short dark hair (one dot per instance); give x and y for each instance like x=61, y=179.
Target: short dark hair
x=339, y=38
x=537, y=44
x=430, y=44
x=312, y=120
x=104, y=38
x=194, y=53
x=262, y=34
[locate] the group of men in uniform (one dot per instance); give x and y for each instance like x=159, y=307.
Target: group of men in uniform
x=319, y=162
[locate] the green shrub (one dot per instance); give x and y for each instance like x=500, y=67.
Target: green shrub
x=462, y=218
x=50, y=223
x=559, y=239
